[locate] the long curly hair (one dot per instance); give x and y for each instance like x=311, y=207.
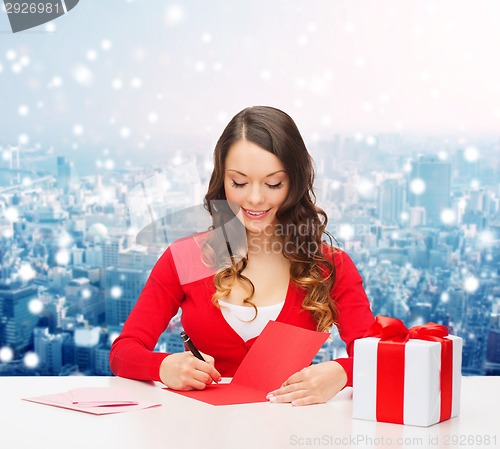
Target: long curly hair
x=302, y=223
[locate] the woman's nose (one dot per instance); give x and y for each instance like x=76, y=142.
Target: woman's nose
x=256, y=195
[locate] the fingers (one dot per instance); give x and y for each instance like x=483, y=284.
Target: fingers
x=299, y=397
x=183, y=371
x=311, y=385
x=294, y=390
x=210, y=369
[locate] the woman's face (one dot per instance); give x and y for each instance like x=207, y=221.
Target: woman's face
x=256, y=181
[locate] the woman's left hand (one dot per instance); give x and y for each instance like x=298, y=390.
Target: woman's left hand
x=311, y=385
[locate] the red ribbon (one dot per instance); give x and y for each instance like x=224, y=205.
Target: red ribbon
x=393, y=336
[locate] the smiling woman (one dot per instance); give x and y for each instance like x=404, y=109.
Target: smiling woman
x=283, y=271
x=261, y=191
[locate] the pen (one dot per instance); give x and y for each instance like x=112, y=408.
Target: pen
x=191, y=346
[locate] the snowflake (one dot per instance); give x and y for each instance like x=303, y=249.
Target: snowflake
x=23, y=110
x=23, y=139
x=448, y=216
x=346, y=231
x=174, y=15
x=82, y=75
x=153, y=117
x=50, y=27
x=91, y=55
x=64, y=240
x=471, y=154
x=417, y=186
x=443, y=156
x=471, y=284
x=35, y=306
x=117, y=84
x=106, y=44
x=6, y=354
x=31, y=360
x=78, y=130
x=370, y=141
x=62, y=257
x=11, y=214
x=56, y=81
x=364, y=187
x=199, y=66
x=116, y=292
x=136, y=83
x=26, y=272
x=109, y=164
x=113, y=336
x=10, y=55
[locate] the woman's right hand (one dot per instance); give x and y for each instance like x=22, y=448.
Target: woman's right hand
x=183, y=371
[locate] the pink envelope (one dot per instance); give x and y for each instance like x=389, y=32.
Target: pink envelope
x=97, y=401
x=280, y=351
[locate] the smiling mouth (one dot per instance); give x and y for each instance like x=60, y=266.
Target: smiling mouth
x=255, y=213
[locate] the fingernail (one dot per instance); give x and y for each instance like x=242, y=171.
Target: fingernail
x=219, y=379
x=271, y=397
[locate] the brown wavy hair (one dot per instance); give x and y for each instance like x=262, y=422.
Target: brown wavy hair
x=302, y=222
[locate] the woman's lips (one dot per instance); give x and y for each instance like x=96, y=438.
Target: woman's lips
x=255, y=214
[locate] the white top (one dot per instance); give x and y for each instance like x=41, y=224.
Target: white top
x=239, y=318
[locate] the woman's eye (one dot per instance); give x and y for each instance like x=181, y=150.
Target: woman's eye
x=275, y=186
x=235, y=184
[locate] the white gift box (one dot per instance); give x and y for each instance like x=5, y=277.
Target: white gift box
x=421, y=383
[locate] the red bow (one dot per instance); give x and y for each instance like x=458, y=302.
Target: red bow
x=392, y=329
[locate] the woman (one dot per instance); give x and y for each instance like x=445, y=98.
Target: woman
x=280, y=270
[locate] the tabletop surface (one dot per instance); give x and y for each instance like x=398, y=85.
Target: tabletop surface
x=181, y=422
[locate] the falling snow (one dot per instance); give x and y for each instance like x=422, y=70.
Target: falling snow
x=417, y=186
x=31, y=360
x=6, y=354
x=116, y=292
x=471, y=284
x=35, y=306
x=448, y=216
x=82, y=75
x=62, y=257
x=26, y=272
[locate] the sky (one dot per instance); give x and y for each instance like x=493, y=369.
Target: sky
x=140, y=76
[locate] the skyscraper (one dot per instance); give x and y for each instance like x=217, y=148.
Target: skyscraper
x=429, y=187
x=63, y=173
x=17, y=320
x=391, y=201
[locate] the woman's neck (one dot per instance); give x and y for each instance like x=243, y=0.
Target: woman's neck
x=264, y=243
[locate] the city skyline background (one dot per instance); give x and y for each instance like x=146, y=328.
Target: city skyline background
x=398, y=102
x=146, y=79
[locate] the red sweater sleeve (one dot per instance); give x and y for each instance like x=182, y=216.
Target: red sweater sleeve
x=132, y=353
x=354, y=313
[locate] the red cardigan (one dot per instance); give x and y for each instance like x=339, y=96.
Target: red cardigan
x=176, y=281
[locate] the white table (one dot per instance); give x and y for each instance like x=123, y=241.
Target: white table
x=184, y=423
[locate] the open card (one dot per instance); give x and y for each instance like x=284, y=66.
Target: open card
x=280, y=351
